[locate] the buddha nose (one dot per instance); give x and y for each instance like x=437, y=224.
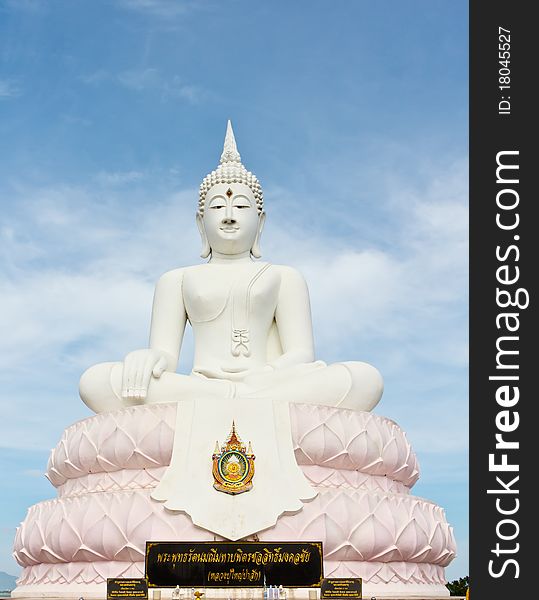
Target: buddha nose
x=229, y=214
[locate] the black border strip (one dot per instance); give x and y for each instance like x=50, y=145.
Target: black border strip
x=495, y=128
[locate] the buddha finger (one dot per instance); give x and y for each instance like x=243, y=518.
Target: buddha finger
x=145, y=377
x=160, y=367
x=125, y=377
x=138, y=374
x=131, y=367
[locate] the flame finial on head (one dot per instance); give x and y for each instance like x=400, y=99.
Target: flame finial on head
x=230, y=170
x=230, y=149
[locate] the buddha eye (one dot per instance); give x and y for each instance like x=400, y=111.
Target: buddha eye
x=215, y=204
x=241, y=203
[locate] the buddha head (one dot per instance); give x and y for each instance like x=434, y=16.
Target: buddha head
x=230, y=214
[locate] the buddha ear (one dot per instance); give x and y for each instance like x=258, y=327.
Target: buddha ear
x=206, y=250
x=255, y=250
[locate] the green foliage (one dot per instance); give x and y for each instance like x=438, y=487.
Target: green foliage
x=458, y=587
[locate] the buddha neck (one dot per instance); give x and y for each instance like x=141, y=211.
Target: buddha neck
x=230, y=259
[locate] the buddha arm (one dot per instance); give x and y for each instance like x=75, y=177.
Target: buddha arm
x=293, y=319
x=168, y=317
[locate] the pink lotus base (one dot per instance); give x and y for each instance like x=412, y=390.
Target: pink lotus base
x=106, y=466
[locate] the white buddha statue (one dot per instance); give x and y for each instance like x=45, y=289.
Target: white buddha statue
x=311, y=472
x=251, y=319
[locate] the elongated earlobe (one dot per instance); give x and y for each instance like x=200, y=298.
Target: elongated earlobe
x=206, y=250
x=255, y=250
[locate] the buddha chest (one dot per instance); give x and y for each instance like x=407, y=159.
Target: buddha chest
x=242, y=293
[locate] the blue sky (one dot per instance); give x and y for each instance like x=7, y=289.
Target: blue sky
x=353, y=115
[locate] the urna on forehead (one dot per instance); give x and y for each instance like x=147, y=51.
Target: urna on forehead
x=230, y=171
x=235, y=192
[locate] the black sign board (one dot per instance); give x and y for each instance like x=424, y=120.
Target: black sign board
x=341, y=588
x=234, y=564
x=126, y=588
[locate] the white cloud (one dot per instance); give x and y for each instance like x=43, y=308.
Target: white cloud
x=118, y=177
x=150, y=79
x=177, y=88
x=9, y=89
x=139, y=79
x=418, y=283
x=88, y=270
x=33, y=473
x=96, y=77
x=53, y=310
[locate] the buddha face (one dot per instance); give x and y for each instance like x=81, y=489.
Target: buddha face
x=231, y=223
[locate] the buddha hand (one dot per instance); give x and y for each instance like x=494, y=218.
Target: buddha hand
x=138, y=367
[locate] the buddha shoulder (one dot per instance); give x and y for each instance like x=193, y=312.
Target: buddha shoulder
x=290, y=278
x=176, y=276
x=171, y=279
x=173, y=282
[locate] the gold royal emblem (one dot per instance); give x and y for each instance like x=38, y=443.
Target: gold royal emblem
x=233, y=466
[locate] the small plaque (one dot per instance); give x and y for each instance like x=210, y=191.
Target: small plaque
x=341, y=588
x=127, y=588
